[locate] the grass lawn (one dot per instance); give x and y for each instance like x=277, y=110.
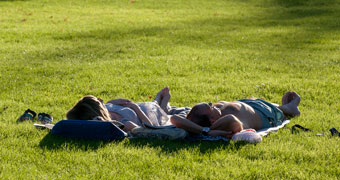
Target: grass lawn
x=54, y=52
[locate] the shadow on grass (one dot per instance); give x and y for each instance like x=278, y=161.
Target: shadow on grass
x=294, y=3
x=312, y=13
x=310, y=19
x=174, y=146
x=52, y=142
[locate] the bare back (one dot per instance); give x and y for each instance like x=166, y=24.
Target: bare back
x=245, y=113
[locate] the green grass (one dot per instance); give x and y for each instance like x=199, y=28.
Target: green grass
x=54, y=52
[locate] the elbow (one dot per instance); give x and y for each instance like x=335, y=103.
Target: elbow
x=176, y=120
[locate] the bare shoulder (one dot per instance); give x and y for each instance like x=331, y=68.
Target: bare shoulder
x=229, y=108
x=221, y=103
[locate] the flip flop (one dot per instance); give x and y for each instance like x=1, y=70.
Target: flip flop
x=297, y=126
x=45, y=118
x=28, y=115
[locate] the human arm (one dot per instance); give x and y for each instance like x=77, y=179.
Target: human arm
x=186, y=124
x=192, y=127
x=228, y=123
x=120, y=101
x=140, y=114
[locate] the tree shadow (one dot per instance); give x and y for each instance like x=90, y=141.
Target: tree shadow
x=314, y=13
x=295, y=3
x=310, y=19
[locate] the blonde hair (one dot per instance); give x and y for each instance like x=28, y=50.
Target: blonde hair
x=87, y=108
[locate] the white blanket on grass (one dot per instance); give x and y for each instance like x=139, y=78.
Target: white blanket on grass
x=261, y=132
x=266, y=131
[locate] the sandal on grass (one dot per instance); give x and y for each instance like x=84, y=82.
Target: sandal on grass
x=295, y=128
x=334, y=132
x=45, y=118
x=28, y=115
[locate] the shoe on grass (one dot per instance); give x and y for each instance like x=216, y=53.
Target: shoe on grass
x=44, y=118
x=28, y=115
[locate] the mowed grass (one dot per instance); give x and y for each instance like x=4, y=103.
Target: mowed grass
x=54, y=52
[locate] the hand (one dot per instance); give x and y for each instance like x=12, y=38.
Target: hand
x=121, y=102
x=215, y=133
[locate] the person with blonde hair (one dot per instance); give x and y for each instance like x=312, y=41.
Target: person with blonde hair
x=88, y=108
x=134, y=116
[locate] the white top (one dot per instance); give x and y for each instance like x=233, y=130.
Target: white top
x=151, y=109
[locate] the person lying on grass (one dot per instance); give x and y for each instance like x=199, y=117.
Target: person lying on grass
x=131, y=114
x=227, y=118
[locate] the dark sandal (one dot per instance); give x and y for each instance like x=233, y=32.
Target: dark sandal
x=28, y=115
x=297, y=126
x=45, y=118
x=334, y=132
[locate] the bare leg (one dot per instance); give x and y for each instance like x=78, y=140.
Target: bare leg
x=158, y=97
x=165, y=101
x=290, y=103
x=162, y=98
x=192, y=127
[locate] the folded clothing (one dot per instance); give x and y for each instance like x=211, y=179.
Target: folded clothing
x=248, y=135
x=91, y=129
x=165, y=133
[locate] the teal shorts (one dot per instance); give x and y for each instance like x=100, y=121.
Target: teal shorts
x=271, y=116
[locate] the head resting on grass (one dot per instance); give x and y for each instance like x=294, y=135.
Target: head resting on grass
x=206, y=115
x=88, y=108
x=203, y=114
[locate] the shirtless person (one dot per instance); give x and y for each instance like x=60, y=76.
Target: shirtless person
x=227, y=118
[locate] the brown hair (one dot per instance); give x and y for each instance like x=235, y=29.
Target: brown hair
x=88, y=108
x=199, y=115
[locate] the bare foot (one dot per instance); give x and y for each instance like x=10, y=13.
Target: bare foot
x=161, y=94
x=252, y=98
x=165, y=99
x=289, y=96
x=290, y=103
x=165, y=91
